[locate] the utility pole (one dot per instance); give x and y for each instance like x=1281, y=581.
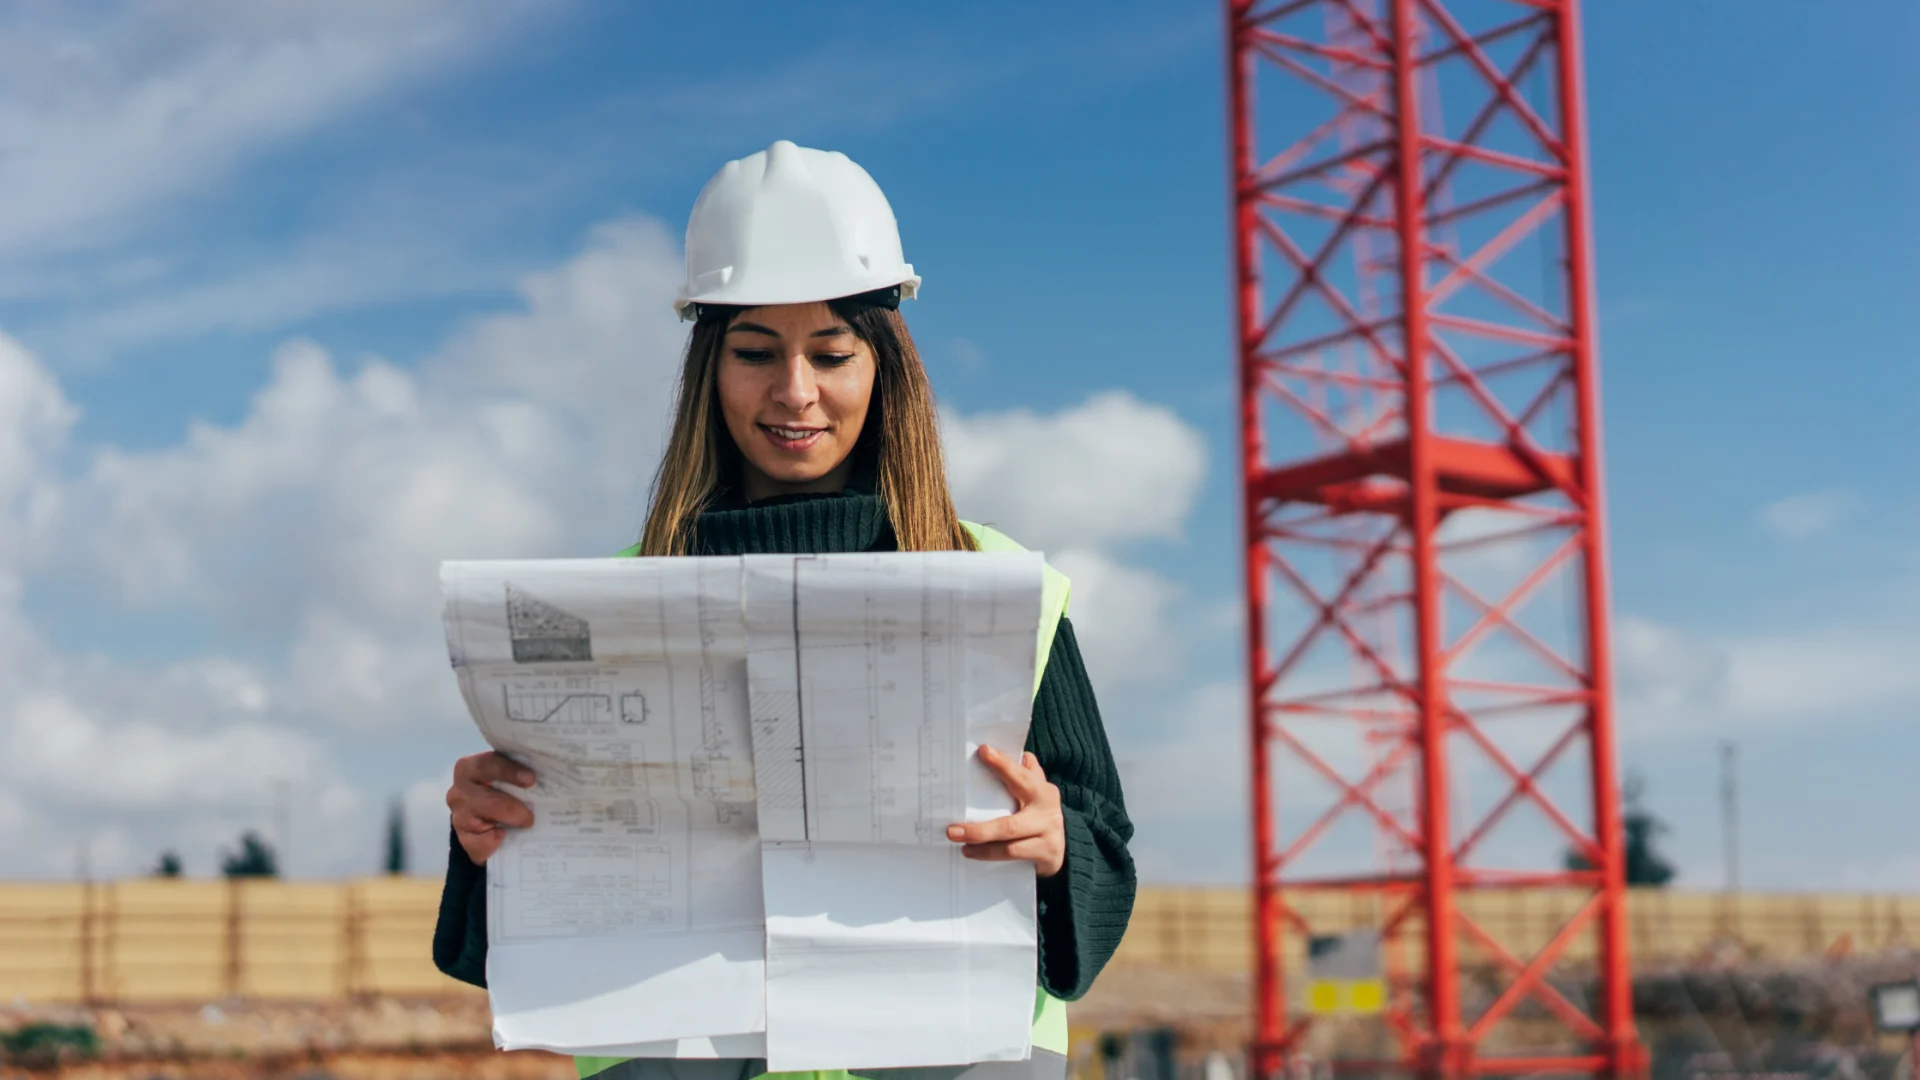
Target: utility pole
x=88, y=990
x=1729, y=843
x=1730, y=815
x=282, y=843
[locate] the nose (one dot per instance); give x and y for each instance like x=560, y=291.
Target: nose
x=794, y=388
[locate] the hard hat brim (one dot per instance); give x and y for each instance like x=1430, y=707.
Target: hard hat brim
x=688, y=307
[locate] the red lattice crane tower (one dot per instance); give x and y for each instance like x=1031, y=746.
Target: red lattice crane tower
x=1426, y=574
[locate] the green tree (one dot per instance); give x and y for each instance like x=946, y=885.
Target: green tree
x=1645, y=866
x=396, y=862
x=169, y=865
x=254, y=859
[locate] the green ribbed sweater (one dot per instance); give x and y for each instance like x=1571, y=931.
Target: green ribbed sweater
x=1083, y=909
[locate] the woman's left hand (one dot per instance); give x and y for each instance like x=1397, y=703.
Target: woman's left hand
x=1035, y=832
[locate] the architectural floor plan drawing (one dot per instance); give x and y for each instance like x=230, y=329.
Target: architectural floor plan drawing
x=746, y=769
x=874, y=679
x=623, y=686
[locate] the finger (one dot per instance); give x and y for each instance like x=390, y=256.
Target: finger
x=467, y=823
x=1038, y=850
x=996, y=852
x=494, y=767
x=502, y=808
x=983, y=832
x=1033, y=849
x=491, y=767
x=481, y=846
x=1030, y=822
x=492, y=807
x=1022, y=783
x=1046, y=790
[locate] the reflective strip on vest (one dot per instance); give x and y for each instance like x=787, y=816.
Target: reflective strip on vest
x=1049, y=1012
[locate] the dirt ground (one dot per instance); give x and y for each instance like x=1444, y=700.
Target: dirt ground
x=253, y=1028
x=355, y=1065
x=1709, y=1023
x=377, y=1039
x=432, y=1038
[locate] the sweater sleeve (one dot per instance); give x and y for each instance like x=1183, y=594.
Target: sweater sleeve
x=460, y=935
x=1085, y=907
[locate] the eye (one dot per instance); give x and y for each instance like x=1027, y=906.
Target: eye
x=832, y=360
x=753, y=356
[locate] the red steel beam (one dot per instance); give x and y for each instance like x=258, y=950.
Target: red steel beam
x=1461, y=466
x=1623, y=1049
x=1270, y=1009
x=1446, y=1050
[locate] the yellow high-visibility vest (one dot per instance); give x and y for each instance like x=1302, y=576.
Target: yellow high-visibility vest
x=1049, y=1012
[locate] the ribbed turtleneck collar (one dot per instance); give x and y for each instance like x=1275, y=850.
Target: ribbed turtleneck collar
x=853, y=519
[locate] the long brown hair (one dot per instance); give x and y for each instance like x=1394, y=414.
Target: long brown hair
x=902, y=425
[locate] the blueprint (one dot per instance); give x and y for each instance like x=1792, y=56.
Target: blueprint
x=745, y=771
x=621, y=684
x=874, y=680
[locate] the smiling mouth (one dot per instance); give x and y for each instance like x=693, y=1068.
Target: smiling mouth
x=792, y=438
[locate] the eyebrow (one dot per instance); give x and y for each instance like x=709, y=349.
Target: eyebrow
x=756, y=328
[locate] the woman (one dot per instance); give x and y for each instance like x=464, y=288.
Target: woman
x=805, y=424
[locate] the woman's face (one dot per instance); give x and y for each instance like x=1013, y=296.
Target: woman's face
x=794, y=384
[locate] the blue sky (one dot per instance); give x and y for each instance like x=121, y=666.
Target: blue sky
x=1058, y=172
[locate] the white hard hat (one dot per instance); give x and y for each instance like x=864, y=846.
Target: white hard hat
x=791, y=225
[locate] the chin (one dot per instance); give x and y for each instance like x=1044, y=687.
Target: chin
x=792, y=474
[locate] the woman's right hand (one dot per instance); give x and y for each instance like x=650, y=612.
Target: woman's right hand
x=481, y=812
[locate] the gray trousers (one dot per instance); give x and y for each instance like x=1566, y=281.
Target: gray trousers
x=1044, y=1065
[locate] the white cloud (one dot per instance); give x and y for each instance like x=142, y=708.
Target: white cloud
x=1662, y=669
x=1075, y=483
x=127, y=127
x=1110, y=469
x=368, y=259
x=56, y=748
x=14, y=819
x=128, y=761
x=1674, y=682
x=425, y=807
x=1828, y=673
x=125, y=122
x=311, y=528
x=1809, y=514
x=1122, y=617
x=1186, y=788
x=1197, y=765
x=304, y=536
x=321, y=516
x=112, y=109
x=1188, y=777
x=35, y=417
x=313, y=525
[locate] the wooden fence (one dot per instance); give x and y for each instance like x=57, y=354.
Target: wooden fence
x=152, y=940
x=1211, y=929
